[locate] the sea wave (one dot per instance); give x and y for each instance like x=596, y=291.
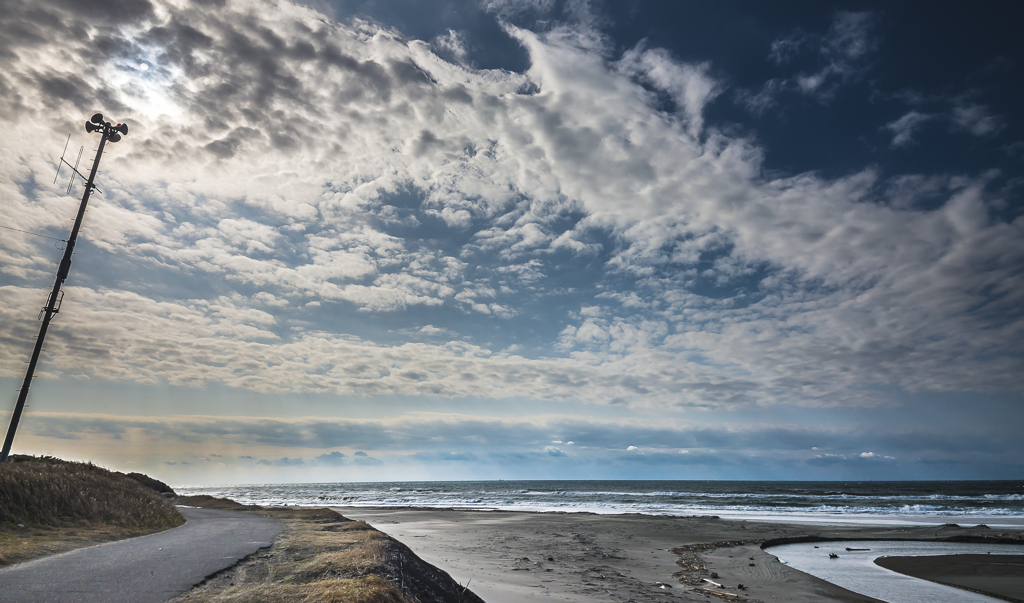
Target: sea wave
x=902, y=499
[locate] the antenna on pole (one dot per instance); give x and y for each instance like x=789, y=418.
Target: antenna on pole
x=109, y=133
x=62, y=158
x=74, y=168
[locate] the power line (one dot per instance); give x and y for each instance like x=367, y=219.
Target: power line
x=34, y=233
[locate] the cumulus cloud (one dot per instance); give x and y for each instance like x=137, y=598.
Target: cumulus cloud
x=845, y=459
x=334, y=459
x=873, y=456
x=553, y=451
x=452, y=44
x=688, y=86
x=294, y=190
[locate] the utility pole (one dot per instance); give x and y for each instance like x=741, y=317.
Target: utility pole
x=110, y=133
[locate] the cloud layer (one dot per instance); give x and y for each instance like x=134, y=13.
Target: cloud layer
x=305, y=205
x=469, y=445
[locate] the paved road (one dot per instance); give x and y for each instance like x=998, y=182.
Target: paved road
x=147, y=569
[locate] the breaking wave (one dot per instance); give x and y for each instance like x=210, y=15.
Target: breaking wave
x=897, y=499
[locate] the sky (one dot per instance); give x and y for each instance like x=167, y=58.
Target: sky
x=518, y=239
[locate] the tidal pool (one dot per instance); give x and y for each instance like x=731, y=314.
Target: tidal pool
x=856, y=570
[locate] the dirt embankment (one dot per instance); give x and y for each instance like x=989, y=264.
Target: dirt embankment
x=325, y=557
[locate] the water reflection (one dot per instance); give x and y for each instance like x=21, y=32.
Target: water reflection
x=856, y=570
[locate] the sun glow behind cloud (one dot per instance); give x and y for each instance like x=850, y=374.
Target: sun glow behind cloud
x=148, y=92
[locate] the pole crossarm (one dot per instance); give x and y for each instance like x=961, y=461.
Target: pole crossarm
x=108, y=132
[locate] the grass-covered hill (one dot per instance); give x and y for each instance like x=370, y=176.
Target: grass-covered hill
x=47, y=504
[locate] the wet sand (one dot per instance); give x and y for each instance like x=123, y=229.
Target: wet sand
x=997, y=575
x=516, y=557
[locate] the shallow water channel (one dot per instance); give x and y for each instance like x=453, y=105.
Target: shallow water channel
x=856, y=570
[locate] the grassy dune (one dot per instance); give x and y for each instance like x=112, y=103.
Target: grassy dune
x=48, y=505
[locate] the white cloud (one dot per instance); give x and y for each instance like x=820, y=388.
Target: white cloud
x=977, y=119
x=689, y=86
x=320, y=445
x=842, y=54
x=452, y=44
x=764, y=99
x=876, y=457
x=291, y=193
x=850, y=35
x=507, y=8
x=903, y=128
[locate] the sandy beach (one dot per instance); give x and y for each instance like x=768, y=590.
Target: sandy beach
x=513, y=557
x=1003, y=577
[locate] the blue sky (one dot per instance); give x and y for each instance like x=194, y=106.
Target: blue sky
x=520, y=239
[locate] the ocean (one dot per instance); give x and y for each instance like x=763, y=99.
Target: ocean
x=753, y=499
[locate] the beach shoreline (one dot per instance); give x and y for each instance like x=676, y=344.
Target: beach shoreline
x=1002, y=577
x=516, y=556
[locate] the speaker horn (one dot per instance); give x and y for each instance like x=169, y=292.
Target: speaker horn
x=122, y=128
x=97, y=119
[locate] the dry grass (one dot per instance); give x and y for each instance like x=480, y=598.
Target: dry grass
x=48, y=505
x=30, y=543
x=209, y=502
x=366, y=589
x=323, y=556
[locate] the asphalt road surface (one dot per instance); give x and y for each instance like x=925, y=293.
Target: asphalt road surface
x=147, y=569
